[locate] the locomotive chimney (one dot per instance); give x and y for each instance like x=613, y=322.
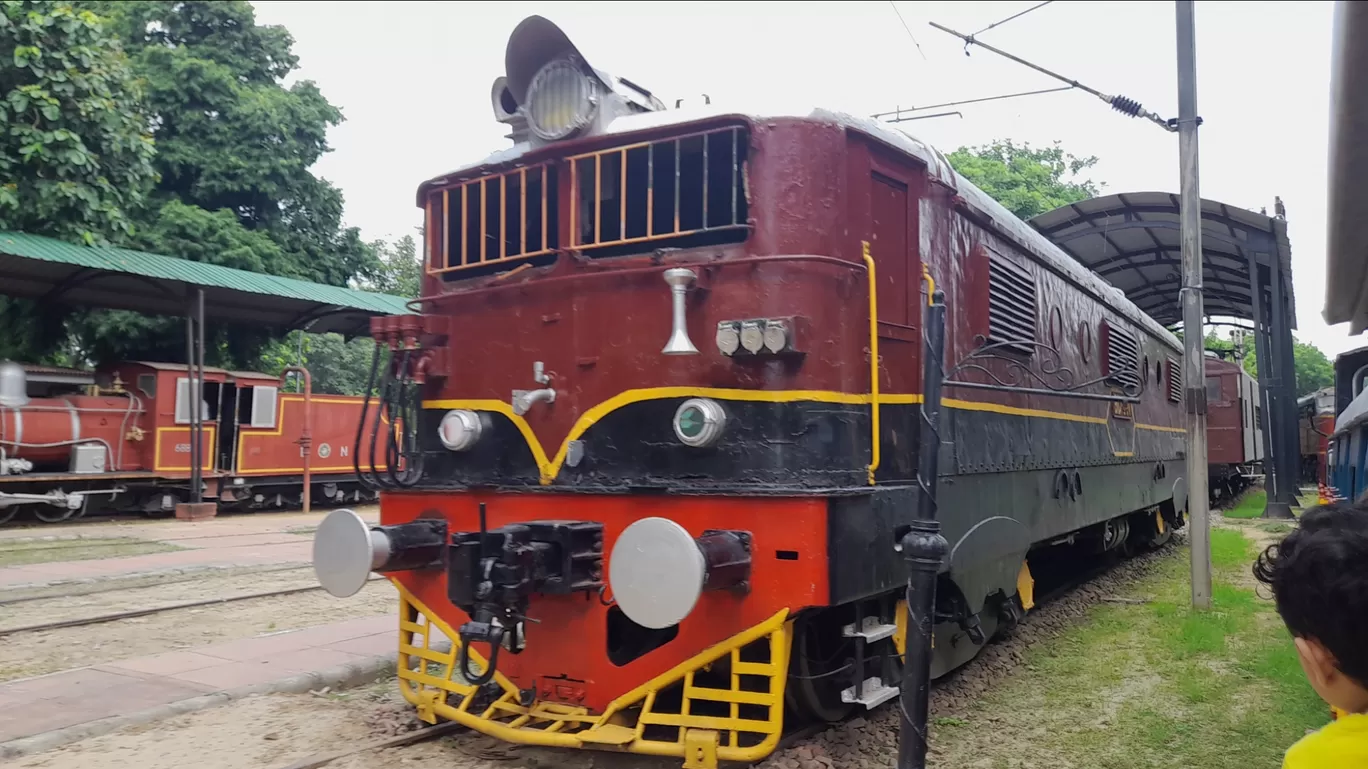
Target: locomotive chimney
x=13, y=385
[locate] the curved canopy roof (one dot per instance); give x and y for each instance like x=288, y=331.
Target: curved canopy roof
x=1346, y=289
x=51, y=270
x=1134, y=241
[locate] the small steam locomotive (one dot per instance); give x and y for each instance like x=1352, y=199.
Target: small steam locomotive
x=664, y=550
x=118, y=439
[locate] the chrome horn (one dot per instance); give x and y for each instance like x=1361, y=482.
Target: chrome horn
x=679, y=279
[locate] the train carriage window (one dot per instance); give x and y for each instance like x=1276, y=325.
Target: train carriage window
x=1213, y=389
x=183, y=402
x=147, y=383
x=264, y=406
x=1011, y=306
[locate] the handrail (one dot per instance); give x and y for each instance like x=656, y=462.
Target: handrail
x=873, y=359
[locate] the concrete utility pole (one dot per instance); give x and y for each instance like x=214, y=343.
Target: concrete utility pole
x=1194, y=362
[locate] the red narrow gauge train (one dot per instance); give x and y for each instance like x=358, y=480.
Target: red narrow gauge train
x=118, y=440
x=1235, y=440
x=662, y=550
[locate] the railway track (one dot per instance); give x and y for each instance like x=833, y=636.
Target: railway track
x=135, y=613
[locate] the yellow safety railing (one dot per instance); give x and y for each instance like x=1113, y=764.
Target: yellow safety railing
x=873, y=359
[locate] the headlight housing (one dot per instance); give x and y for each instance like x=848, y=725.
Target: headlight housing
x=561, y=100
x=460, y=429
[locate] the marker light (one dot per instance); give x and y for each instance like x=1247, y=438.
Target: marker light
x=728, y=337
x=460, y=429
x=699, y=421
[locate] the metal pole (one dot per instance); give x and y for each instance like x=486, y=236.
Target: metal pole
x=924, y=548
x=1194, y=363
x=191, y=406
x=1282, y=403
x=198, y=476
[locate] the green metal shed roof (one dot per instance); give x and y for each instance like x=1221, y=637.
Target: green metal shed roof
x=42, y=268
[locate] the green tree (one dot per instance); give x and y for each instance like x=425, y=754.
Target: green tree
x=400, y=271
x=1314, y=369
x=75, y=151
x=1026, y=180
x=234, y=148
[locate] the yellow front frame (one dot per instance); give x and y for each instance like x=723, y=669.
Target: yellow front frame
x=702, y=740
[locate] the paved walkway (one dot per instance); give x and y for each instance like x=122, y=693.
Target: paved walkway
x=262, y=539
x=35, y=705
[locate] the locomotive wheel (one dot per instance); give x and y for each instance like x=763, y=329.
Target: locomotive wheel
x=820, y=668
x=50, y=514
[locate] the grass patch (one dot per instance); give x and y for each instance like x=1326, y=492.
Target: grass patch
x=1153, y=684
x=27, y=553
x=1252, y=505
x=303, y=531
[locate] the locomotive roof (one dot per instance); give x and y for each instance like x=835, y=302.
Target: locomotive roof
x=936, y=163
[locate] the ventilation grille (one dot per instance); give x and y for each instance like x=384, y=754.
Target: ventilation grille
x=1175, y=381
x=1123, y=357
x=1011, y=306
x=688, y=191
x=494, y=223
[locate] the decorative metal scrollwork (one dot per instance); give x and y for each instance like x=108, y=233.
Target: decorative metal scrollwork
x=1049, y=377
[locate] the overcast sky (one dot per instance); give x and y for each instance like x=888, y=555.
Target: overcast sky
x=413, y=81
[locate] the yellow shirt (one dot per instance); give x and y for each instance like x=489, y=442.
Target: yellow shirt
x=1341, y=744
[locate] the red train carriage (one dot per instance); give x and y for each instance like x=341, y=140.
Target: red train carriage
x=1316, y=423
x=1235, y=441
x=119, y=440
x=653, y=549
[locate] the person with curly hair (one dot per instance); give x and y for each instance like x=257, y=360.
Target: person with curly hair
x=1319, y=578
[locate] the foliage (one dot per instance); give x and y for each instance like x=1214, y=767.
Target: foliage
x=1025, y=180
x=337, y=366
x=400, y=271
x=1314, y=369
x=233, y=150
x=75, y=154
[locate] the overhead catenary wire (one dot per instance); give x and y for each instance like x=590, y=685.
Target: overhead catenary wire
x=1122, y=104
x=898, y=114
x=907, y=28
x=1013, y=17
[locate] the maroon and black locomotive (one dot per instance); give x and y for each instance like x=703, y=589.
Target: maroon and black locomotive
x=665, y=394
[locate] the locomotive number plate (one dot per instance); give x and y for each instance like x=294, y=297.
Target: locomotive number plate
x=1123, y=410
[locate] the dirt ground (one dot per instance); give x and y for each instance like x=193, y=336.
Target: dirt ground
x=37, y=653
x=275, y=731
x=27, y=552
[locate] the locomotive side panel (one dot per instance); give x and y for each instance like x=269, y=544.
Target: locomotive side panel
x=270, y=445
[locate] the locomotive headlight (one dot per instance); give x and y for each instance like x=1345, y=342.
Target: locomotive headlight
x=561, y=100
x=698, y=422
x=460, y=429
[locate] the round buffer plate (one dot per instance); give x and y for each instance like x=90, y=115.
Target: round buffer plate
x=656, y=572
x=342, y=553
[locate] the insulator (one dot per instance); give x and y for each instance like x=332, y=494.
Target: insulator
x=1125, y=106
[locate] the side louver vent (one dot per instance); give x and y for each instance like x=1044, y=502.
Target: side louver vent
x=1123, y=356
x=1175, y=381
x=1011, y=306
